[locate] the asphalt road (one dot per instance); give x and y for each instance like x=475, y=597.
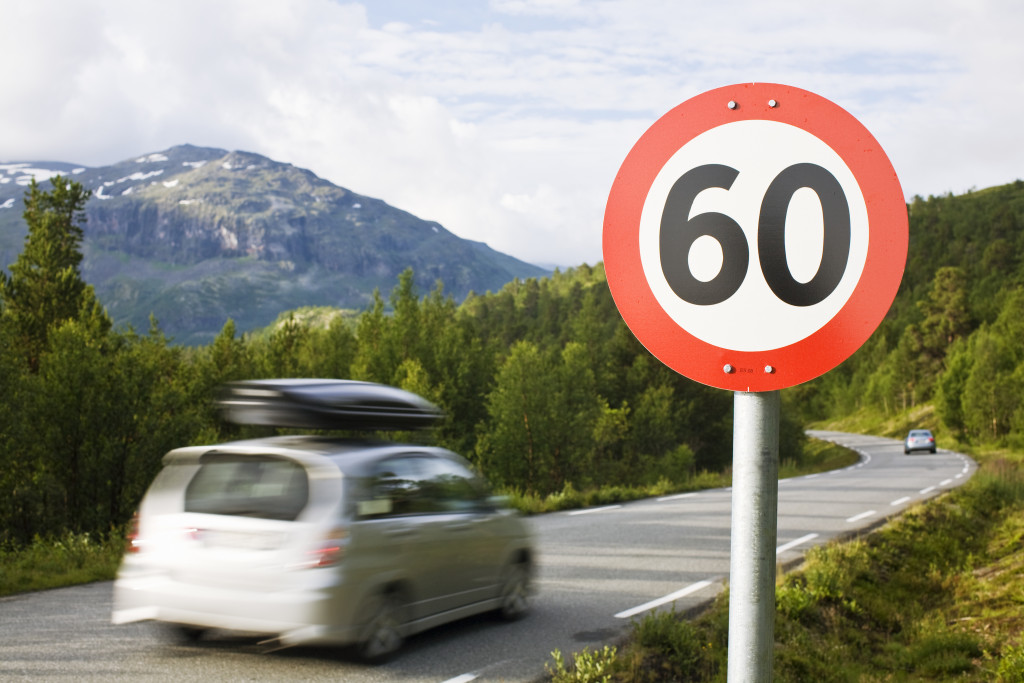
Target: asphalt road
x=599, y=568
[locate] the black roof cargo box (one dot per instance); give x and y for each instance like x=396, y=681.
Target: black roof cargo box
x=325, y=404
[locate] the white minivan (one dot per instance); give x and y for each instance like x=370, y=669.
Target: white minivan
x=313, y=540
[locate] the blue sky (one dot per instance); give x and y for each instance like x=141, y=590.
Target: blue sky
x=505, y=121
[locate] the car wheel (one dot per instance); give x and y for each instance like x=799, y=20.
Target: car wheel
x=382, y=635
x=515, y=592
x=906, y=451
x=187, y=634
x=933, y=451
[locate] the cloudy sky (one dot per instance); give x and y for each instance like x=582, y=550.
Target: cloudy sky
x=506, y=120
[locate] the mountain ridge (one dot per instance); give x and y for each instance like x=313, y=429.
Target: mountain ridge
x=196, y=235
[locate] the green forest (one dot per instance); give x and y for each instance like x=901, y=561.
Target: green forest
x=544, y=387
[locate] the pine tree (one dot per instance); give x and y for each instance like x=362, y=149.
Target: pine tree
x=45, y=287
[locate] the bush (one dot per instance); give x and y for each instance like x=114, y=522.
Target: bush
x=62, y=561
x=1011, y=666
x=588, y=666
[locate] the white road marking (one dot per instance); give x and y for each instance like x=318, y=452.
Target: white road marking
x=589, y=510
x=692, y=588
x=926, y=491
x=792, y=544
x=900, y=501
x=464, y=678
x=863, y=515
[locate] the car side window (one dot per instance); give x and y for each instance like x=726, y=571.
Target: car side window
x=421, y=484
x=451, y=487
x=394, y=489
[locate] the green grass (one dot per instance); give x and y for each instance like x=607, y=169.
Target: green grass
x=817, y=456
x=55, y=562
x=569, y=498
x=935, y=595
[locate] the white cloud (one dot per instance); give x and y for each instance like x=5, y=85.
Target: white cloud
x=506, y=122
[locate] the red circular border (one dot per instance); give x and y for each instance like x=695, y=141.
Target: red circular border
x=835, y=341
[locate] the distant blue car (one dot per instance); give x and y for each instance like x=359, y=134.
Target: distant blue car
x=919, y=440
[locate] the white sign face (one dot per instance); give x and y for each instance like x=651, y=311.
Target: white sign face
x=754, y=318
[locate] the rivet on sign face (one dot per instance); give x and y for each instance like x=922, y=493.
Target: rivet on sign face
x=732, y=104
x=728, y=369
x=769, y=369
x=773, y=103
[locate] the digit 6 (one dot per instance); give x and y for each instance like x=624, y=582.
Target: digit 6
x=679, y=232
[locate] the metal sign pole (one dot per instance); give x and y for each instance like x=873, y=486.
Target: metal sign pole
x=755, y=504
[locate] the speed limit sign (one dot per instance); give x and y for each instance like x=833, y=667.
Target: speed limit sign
x=755, y=237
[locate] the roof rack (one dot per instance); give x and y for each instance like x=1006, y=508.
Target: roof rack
x=325, y=404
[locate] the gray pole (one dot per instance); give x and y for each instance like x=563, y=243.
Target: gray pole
x=755, y=504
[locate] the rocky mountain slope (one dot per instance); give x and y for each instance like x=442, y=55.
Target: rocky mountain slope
x=196, y=235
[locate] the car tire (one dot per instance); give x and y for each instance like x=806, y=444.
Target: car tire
x=383, y=635
x=906, y=451
x=186, y=635
x=515, y=592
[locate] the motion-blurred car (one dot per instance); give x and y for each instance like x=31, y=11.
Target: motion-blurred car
x=317, y=540
x=919, y=440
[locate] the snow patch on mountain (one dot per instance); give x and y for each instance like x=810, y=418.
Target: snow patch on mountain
x=23, y=173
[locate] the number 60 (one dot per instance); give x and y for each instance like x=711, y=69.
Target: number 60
x=679, y=232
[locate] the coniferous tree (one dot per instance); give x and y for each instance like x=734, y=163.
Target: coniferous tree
x=45, y=287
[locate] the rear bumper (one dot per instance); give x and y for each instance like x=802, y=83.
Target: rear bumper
x=292, y=617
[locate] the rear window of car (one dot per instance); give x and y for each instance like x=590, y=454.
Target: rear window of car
x=262, y=486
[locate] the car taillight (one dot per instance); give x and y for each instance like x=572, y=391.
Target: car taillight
x=330, y=549
x=132, y=537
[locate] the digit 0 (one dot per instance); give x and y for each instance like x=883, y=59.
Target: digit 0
x=771, y=234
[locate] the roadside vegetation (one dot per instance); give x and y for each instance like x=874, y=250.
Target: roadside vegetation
x=816, y=456
x=66, y=560
x=934, y=595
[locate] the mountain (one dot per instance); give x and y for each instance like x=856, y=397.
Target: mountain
x=196, y=235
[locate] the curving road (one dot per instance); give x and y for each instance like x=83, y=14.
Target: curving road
x=599, y=568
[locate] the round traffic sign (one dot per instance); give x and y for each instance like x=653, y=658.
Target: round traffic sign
x=755, y=237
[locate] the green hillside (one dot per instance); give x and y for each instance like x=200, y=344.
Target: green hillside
x=954, y=337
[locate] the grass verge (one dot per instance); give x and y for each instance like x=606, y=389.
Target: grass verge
x=934, y=595
x=817, y=456
x=68, y=560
